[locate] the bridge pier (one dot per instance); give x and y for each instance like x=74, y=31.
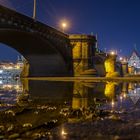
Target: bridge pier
x=131, y=87
x=110, y=90
x=80, y=99
x=125, y=88
x=110, y=66
x=124, y=68
x=45, y=65
x=25, y=69
x=83, y=50
x=130, y=70
x=49, y=65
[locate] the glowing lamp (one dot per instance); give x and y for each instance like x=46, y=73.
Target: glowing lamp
x=121, y=98
x=121, y=58
x=134, y=64
x=63, y=133
x=112, y=103
x=112, y=53
x=64, y=25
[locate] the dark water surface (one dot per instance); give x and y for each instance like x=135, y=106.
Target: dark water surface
x=69, y=110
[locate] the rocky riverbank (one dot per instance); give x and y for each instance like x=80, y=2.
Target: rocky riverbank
x=115, y=126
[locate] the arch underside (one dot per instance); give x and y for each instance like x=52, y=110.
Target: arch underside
x=43, y=58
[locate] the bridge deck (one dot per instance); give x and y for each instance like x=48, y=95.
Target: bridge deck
x=12, y=13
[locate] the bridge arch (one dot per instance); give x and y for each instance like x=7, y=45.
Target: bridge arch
x=44, y=59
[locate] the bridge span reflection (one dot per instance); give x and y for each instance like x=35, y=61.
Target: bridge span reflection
x=46, y=104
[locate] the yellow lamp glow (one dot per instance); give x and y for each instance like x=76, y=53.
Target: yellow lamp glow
x=63, y=133
x=64, y=25
x=112, y=103
x=112, y=53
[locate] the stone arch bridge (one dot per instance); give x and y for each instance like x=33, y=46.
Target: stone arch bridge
x=46, y=49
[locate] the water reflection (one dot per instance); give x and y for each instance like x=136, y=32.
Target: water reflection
x=9, y=91
x=38, y=106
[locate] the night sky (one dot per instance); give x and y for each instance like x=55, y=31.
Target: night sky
x=116, y=22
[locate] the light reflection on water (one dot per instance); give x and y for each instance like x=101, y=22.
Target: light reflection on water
x=43, y=105
x=9, y=90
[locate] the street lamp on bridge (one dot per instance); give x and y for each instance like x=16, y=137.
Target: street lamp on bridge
x=64, y=25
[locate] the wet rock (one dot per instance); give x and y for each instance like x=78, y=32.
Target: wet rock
x=13, y=136
x=11, y=112
x=116, y=138
x=137, y=124
x=27, y=125
x=28, y=133
x=36, y=135
x=36, y=112
x=2, y=128
x=1, y=137
x=99, y=135
x=115, y=117
x=10, y=128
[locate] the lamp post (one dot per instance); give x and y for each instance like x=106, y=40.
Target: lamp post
x=34, y=10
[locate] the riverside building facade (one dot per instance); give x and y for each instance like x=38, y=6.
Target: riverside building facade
x=134, y=60
x=10, y=70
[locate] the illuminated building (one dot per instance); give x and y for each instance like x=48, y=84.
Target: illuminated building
x=134, y=61
x=10, y=70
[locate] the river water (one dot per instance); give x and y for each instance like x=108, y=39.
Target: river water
x=35, y=109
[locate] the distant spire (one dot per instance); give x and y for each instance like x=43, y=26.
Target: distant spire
x=96, y=36
x=105, y=50
x=97, y=41
x=18, y=58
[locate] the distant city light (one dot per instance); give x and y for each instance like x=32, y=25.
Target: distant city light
x=17, y=87
x=1, y=71
x=17, y=66
x=7, y=86
x=124, y=95
x=121, y=97
x=1, y=82
x=9, y=67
